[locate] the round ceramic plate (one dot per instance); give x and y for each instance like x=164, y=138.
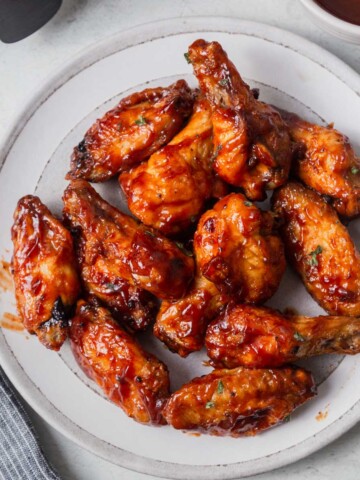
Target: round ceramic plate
x=290, y=73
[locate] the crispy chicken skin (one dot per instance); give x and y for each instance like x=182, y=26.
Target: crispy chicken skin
x=181, y=324
x=239, y=402
x=327, y=163
x=44, y=270
x=129, y=133
x=238, y=248
x=169, y=191
x=245, y=335
x=117, y=247
x=130, y=377
x=251, y=140
x=320, y=249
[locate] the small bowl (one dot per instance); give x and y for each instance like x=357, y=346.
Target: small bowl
x=331, y=24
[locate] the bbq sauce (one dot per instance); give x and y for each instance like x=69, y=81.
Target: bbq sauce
x=347, y=10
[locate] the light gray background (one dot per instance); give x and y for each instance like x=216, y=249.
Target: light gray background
x=80, y=23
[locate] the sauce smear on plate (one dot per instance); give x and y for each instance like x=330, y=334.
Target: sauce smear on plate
x=348, y=10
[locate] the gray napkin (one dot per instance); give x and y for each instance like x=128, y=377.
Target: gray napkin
x=21, y=457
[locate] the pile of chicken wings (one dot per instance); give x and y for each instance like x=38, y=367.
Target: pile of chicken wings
x=198, y=259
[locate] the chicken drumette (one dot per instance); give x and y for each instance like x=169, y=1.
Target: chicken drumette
x=169, y=191
x=251, y=336
x=128, y=134
x=44, y=270
x=320, y=249
x=115, y=251
x=237, y=247
x=130, y=377
x=327, y=163
x=251, y=141
x=239, y=402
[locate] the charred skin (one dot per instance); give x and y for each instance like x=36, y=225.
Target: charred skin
x=117, y=248
x=44, y=270
x=239, y=402
x=252, y=143
x=129, y=133
x=169, y=191
x=327, y=163
x=181, y=325
x=238, y=248
x=130, y=377
x=261, y=337
x=320, y=249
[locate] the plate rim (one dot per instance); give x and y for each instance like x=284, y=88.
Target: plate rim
x=28, y=390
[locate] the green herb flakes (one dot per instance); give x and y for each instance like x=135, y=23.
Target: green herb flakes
x=141, y=121
x=187, y=57
x=298, y=337
x=313, y=260
x=220, y=387
x=210, y=405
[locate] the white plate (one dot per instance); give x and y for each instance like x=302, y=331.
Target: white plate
x=292, y=73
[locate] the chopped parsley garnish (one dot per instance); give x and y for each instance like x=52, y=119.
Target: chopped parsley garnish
x=225, y=82
x=287, y=419
x=149, y=233
x=247, y=203
x=187, y=57
x=141, y=121
x=111, y=286
x=220, y=387
x=354, y=170
x=313, y=261
x=183, y=249
x=210, y=405
x=298, y=337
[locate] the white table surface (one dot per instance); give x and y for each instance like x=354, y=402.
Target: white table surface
x=80, y=23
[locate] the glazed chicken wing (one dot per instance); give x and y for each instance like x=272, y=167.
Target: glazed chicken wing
x=327, y=163
x=128, y=134
x=181, y=324
x=262, y=337
x=239, y=402
x=130, y=377
x=44, y=269
x=320, y=249
x=251, y=140
x=116, y=247
x=169, y=191
x=238, y=249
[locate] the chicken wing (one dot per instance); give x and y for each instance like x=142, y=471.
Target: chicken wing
x=238, y=249
x=44, y=270
x=239, y=402
x=169, y=191
x=130, y=377
x=320, y=249
x=116, y=247
x=251, y=140
x=129, y=133
x=261, y=337
x=181, y=325
x=327, y=163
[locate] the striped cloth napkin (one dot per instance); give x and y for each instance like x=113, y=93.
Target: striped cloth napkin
x=21, y=457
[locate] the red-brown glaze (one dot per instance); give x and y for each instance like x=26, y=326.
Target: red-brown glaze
x=128, y=134
x=262, y=337
x=44, y=269
x=181, y=325
x=116, y=247
x=130, y=377
x=327, y=163
x=169, y=191
x=11, y=322
x=320, y=249
x=6, y=283
x=238, y=249
x=251, y=140
x=239, y=402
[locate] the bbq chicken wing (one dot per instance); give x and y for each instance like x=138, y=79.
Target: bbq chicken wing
x=251, y=140
x=130, y=377
x=238, y=249
x=128, y=134
x=44, y=270
x=261, y=337
x=239, y=402
x=116, y=247
x=320, y=249
x=181, y=324
x=327, y=163
x=169, y=191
